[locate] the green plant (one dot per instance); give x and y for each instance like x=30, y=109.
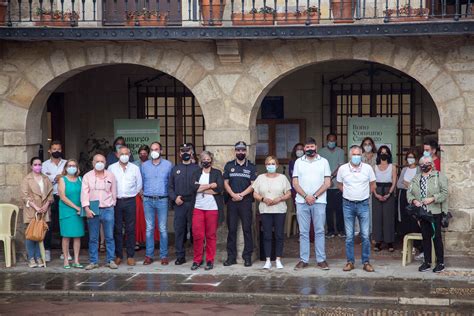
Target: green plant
x=263, y=10
x=144, y=14
x=57, y=14
x=93, y=146
x=407, y=10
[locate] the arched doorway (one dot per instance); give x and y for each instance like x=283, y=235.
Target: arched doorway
x=321, y=98
x=81, y=110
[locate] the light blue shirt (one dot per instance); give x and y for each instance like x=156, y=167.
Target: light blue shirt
x=155, y=177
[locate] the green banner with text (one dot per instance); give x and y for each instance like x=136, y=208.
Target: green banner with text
x=137, y=132
x=382, y=130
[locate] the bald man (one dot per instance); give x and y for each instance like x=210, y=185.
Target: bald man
x=98, y=198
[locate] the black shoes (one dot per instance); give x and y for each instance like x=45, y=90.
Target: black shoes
x=209, y=265
x=180, y=261
x=229, y=262
x=439, y=267
x=424, y=267
x=247, y=262
x=195, y=266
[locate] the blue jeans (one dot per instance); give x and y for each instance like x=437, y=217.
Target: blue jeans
x=32, y=249
x=106, y=218
x=359, y=209
x=156, y=208
x=304, y=214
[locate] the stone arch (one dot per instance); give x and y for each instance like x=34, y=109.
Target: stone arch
x=48, y=67
x=414, y=61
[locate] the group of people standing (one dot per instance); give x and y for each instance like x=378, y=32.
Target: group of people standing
x=119, y=196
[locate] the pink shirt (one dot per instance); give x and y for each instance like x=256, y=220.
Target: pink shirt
x=96, y=188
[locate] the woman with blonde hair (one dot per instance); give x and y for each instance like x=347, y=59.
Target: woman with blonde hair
x=272, y=189
x=71, y=224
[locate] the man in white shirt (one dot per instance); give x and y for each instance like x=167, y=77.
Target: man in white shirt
x=311, y=179
x=129, y=184
x=356, y=180
x=53, y=168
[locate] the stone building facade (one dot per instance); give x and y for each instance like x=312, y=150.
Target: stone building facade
x=229, y=78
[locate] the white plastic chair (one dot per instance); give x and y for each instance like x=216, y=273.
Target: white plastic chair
x=7, y=234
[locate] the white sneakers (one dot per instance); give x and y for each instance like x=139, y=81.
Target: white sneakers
x=32, y=263
x=420, y=257
x=268, y=264
x=279, y=265
x=68, y=257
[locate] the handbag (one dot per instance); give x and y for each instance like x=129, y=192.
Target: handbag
x=37, y=228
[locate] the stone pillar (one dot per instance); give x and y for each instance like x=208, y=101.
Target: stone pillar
x=458, y=165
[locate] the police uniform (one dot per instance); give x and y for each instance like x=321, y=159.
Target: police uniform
x=180, y=184
x=240, y=178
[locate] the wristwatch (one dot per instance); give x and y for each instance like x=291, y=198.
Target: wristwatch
x=315, y=196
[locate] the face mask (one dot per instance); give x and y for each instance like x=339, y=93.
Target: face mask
x=117, y=147
x=310, y=152
x=155, y=154
x=186, y=156
x=425, y=168
x=299, y=153
x=71, y=171
x=356, y=160
x=124, y=158
x=37, y=169
x=99, y=166
x=271, y=168
x=411, y=161
x=331, y=145
x=206, y=164
x=240, y=156
x=426, y=154
x=384, y=157
x=367, y=148
x=56, y=154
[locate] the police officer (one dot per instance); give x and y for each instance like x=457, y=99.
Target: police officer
x=180, y=191
x=239, y=174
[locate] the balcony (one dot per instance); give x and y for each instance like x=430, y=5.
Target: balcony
x=188, y=19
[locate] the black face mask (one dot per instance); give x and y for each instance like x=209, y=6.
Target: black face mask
x=240, y=156
x=206, y=164
x=56, y=154
x=186, y=156
x=384, y=157
x=310, y=152
x=425, y=168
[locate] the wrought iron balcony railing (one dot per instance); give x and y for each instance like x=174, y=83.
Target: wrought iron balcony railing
x=216, y=13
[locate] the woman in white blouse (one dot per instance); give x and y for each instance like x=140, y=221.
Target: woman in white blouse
x=272, y=189
x=407, y=224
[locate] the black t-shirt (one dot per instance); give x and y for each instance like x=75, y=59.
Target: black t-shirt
x=240, y=176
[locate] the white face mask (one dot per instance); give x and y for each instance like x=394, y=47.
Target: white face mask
x=411, y=161
x=155, y=154
x=124, y=158
x=99, y=166
x=299, y=153
x=367, y=148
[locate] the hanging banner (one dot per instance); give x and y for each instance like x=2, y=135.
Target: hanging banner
x=382, y=130
x=137, y=132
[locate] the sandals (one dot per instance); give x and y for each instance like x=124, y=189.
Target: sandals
x=67, y=267
x=77, y=266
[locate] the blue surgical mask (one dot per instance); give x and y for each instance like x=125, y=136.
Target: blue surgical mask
x=271, y=168
x=356, y=160
x=426, y=154
x=71, y=171
x=331, y=145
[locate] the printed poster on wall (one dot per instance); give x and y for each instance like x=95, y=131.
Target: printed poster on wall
x=137, y=132
x=382, y=130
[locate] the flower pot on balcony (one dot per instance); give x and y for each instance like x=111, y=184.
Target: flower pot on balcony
x=407, y=14
x=152, y=20
x=55, y=18
x=253, y=19
x=343, y=11
x=212, y=14
x=3, y=12
x=297, y=18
